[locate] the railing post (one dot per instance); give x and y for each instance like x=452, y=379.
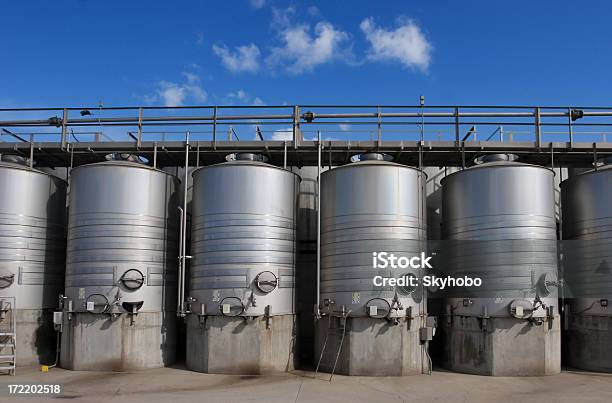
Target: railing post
x=379, y=118
x=215, y=126
x=31, y=151
x=570, y=128
x=538, y=128
x=297, y=134
x=64, y=128
x=457, y=127
x=139, y=141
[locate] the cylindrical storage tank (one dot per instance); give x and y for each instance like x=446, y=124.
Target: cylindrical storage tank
x=370, y=206
x=32, y=252
x=241, y=298
x=587, y=245
x=499, y=226
x=120, y=302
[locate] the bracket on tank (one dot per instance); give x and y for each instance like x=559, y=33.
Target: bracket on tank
x=409, y=317
x=326, y=309
x=268, y=317
x=188, y=303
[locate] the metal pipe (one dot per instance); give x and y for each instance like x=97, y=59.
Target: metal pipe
x=180, y=299
x=135, y=121
x=184, y=225
x=319, y=219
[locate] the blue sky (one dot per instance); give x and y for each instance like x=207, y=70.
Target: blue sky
x=74, y=53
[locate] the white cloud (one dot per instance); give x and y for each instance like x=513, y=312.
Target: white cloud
x=243, y=58
x=242, y=97
x=283, y=134
x=344, y=127
x=281, y=18
x=313, y=11
x=257, y=3
x=302, y=51
x=192, y=78
x=406, y=43
x=176, y=94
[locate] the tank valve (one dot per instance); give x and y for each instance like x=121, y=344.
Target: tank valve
x=202, y=316
x=132, y=309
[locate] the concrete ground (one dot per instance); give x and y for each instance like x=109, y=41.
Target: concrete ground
x=178, y=385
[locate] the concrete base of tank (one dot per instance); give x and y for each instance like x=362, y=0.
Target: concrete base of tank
x=371, y=347
x=233, y=345
x=588, y=342
x=504, y=347
x=98, y=342
x=36, y=339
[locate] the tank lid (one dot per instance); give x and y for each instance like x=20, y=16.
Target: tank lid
x=128, y=157
x=16, y=159
x=485, y=159
x=22, y=163
x=246, y=157
x=124, y=163
x=371, y=157
x=604, y=162
x=602, y=165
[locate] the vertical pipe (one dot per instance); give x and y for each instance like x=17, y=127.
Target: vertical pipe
x=318, y=218
x=179, y=294
x=183, y=251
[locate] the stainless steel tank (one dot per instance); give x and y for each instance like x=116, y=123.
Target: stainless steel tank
x=499, y=217
x=32, y=252
x=241, y=304
x=121, y=264
x=370, y=205
x=243, y=238
x=499, y=225
x=587, y=244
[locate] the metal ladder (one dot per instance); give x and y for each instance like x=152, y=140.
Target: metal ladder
x=333, y=331
x=8, y=335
